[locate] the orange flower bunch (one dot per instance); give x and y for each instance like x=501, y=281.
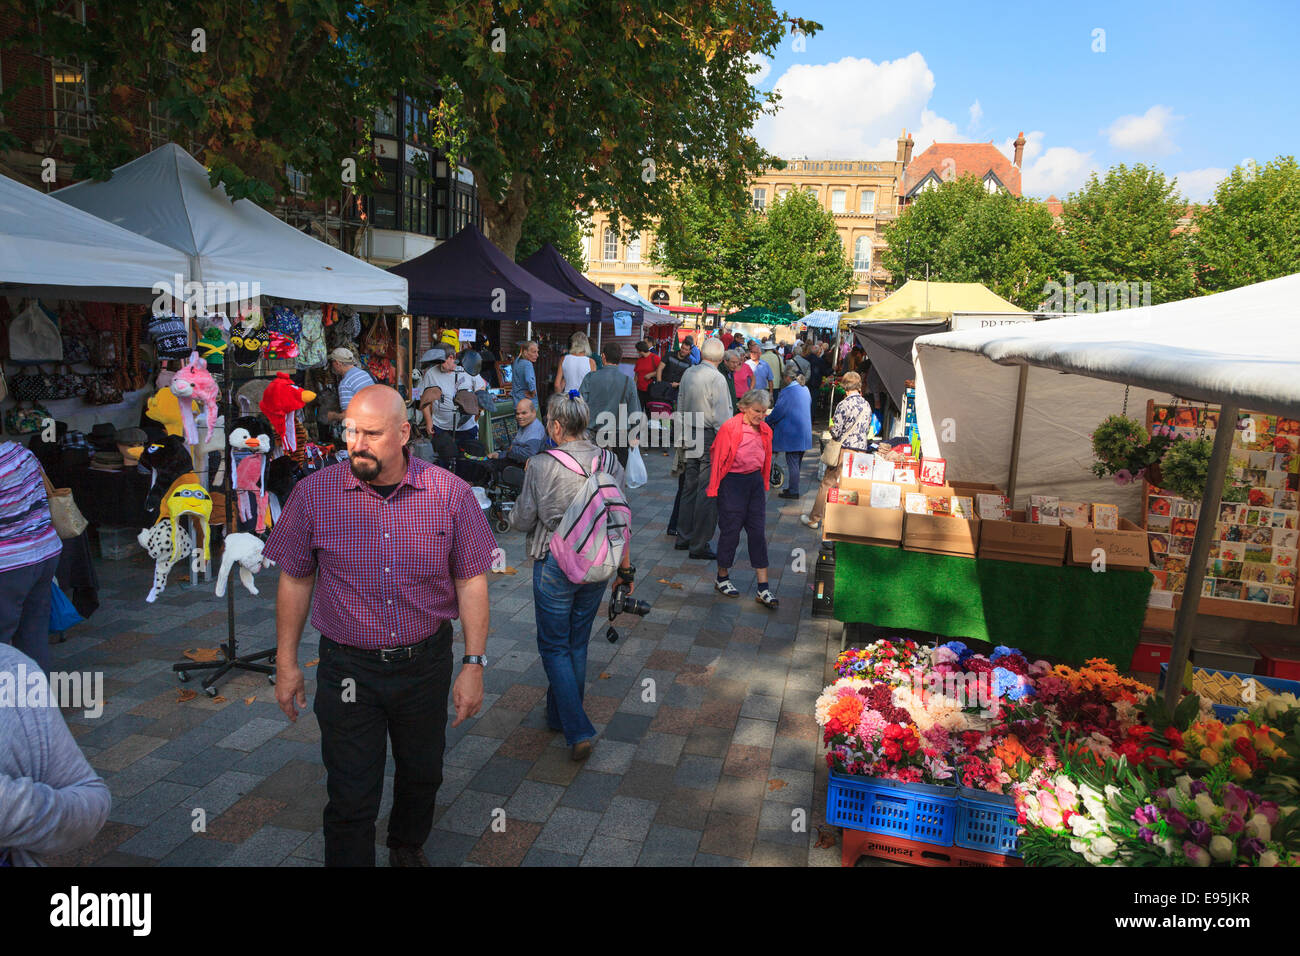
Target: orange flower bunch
x=847, y=710
x=1099, y=674
x=1011, y=751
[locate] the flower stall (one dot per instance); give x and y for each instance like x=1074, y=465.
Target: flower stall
x=998, y=759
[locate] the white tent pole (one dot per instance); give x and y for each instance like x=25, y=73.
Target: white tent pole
x=1013, y=467
x=528, y=336
x=1185, y=619
x=600, y=327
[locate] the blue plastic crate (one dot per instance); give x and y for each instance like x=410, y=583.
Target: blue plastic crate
x=1229, y=712
x=913, y=811
x=987, y=822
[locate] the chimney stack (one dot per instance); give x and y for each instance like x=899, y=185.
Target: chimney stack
x=907, y=156
x=1020, y=148
x=902, y=147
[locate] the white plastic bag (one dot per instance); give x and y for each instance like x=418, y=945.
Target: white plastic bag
x=636, y=473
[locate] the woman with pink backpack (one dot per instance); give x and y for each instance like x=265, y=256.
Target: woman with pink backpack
x=573, y=486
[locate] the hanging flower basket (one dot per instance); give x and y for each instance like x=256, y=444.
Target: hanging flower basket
x=1123, y=449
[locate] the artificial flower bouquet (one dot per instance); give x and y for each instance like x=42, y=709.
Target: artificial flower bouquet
x=884, y=660
x=869, y=735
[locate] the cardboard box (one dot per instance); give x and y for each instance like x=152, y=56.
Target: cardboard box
x=862, y=525
x=1018, y=540
x=1127, y=549
x=973, y=488
x=939, y=534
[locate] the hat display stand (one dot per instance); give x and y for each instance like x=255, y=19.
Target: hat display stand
x=261, y=662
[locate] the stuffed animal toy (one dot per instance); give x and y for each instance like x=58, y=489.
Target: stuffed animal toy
x=190, y=499
x=165, y=552
x=280, y=403
x=165, y=408
x=252, y=436
x=195, y=382
x=171, y=466
x=246, y=551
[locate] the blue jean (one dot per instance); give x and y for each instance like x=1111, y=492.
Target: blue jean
x=793, y=462
x=564, y=612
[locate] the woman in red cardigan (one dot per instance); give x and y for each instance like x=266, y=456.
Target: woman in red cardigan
x=741, y=463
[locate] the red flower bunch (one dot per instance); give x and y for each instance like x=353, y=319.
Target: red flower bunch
x=880, y=697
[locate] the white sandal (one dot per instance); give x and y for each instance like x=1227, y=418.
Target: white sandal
x=809, y=522
x=726, y=587
x=766, y=598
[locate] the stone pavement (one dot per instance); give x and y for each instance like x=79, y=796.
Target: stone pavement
x=707, y=754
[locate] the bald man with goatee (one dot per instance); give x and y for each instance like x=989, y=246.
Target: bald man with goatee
x=395, y=548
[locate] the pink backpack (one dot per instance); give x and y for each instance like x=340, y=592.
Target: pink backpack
x=589, y=542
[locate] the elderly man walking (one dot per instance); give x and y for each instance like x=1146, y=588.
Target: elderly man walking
x=352, y=379
x=703, y=403
x=611, y=399
x=396, y=548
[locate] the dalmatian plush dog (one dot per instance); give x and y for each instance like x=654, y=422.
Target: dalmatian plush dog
x=246, y=551
x=158, y=542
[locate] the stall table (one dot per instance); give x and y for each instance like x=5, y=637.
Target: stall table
x=1069, y=613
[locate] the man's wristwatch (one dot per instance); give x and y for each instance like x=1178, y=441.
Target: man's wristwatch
x=479, y=659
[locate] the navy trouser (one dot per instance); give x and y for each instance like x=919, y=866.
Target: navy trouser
x=25, y=609
x=742, y=503
x=793, y=462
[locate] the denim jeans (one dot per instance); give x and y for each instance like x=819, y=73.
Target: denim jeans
x=793, y=464
x=405, y=701
x=564, y=612
x=25, y=609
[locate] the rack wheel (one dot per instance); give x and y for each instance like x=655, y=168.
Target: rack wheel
x=270, y=678
x=210, y=691
x=503, y=526
x=183, y=676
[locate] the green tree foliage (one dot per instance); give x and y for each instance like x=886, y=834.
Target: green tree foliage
x=1251, y=230
x=1120, y=229
x=799, y=248
x=963, y=233
x=553, y=219
x=709, y=241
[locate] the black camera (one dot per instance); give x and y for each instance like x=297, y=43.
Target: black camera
x=621, y=602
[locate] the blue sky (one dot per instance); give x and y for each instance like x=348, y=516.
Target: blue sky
x=1184, y=86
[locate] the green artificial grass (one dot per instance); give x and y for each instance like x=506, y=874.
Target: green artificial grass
x=1071, y=614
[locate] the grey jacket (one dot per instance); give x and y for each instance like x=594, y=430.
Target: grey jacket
x=704, y=392
x=549, y=489
x=51, y=801
x=604, y=390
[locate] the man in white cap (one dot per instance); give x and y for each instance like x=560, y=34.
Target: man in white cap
x=438, y=408
x=352, y=379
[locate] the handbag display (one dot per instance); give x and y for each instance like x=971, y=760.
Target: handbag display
x=34, y=338
x=66, y=516
x=32, y=385
x=20, y=421
x=100, y=390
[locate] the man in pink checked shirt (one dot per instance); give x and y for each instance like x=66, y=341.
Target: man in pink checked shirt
x=395, y=548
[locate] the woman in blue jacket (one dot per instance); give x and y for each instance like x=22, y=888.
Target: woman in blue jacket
x=791, y=424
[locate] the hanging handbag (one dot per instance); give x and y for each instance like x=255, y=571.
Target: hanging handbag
x=34, y=338
x=62, y=613
x=66, y=384
x=831, y=449
x=103, y=350
x=64, y=513
x=20, y=421
x=32, y=385
x=100, y=390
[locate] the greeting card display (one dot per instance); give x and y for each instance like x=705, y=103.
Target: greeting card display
x=992, y=507
x=907, y=472
x=1044, y=509
x=1252, y=559
x=1105, y=517
x=884, y=495
x=933, y=471
x=915, y=503
x=838, y=496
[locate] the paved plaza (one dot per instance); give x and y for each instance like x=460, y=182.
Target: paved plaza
x=707, y=751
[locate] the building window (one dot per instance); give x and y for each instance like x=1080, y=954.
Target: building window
x=607, y=286
x=633, y=252
x=991, y=185
x=659, y=297
x=811, y=191
x=297, y=180
x=611, y=245
x=867, y=202
x=839, y=200
x=862, y=254
x=73, y=114
x=760, y=199
x=783, y=192
x=386, y=121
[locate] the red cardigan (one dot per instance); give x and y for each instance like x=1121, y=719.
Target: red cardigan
x=726, y=445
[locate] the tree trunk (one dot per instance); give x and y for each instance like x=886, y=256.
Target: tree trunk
x=504, y=219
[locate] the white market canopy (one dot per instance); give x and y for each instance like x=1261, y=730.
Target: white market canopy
x=653, y=314
x=165, y=196
x=822, y=319
x=50, y=249
x=1240, y=347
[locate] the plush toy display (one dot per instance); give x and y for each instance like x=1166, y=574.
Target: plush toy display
x=246, y=551
x=165, y=551
x=171, y=466
x=252, y=436
x=195, y=383
x=280, y=403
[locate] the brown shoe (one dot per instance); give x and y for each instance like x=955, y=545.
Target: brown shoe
x=407, y=856
x=582, y=749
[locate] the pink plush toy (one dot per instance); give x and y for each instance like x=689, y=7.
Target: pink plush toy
x=195, y=383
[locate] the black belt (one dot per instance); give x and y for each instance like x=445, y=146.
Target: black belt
x=390, y=654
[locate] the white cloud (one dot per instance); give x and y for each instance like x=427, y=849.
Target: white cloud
x=1198, y=185
x=764, y=68
x=854, y=109
x=976, y=114
x=1049, y=171
x=1152, y=132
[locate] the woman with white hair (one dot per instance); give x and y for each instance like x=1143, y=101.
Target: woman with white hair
x=853, y=425
x=791, y=424
x=564, y=611
x=576, y=365
x=741, y=463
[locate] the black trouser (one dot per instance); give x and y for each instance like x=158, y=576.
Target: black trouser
x=699, y=512
x=677, y=502
x=402, y=700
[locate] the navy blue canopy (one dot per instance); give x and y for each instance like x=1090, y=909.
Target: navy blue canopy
x=553, y=269
x=467, y=277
